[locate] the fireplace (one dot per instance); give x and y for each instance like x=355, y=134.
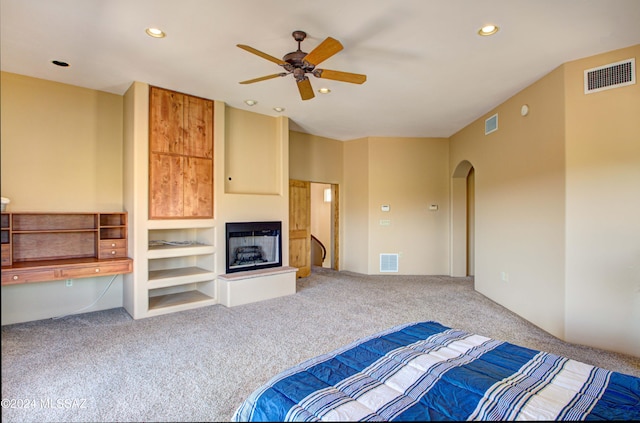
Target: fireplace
x=253, y=245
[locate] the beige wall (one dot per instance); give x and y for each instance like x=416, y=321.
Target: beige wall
x=136, y=177
x=519, y=202
x=354, y=201
x=316, y=159
x=61, y=146
x=557, y=205
x=61, y=151
x=253, y=153
x=603, y=209
x=408, y=175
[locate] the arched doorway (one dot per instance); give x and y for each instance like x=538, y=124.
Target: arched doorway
x=463, y=220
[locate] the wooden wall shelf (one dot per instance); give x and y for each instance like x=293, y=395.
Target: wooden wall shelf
x=40, y=247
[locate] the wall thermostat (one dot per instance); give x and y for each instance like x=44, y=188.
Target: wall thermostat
x=385, y=208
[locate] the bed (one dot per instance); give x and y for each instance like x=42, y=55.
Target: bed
x=426, y=371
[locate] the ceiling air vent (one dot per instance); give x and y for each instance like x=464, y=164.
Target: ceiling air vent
x=609, y=76
x=388, y=262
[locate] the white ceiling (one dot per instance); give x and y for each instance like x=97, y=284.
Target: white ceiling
x=428, y=72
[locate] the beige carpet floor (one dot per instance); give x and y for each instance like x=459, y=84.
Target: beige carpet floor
x=199, y=365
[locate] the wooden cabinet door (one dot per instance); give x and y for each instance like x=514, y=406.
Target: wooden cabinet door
x=300, y=227
x=166, y=117
x=199, y=127
x=166, y=186
x=198, y=187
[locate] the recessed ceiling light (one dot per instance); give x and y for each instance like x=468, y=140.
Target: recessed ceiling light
x=250, y=102
x=324, y=90
x=279, y=109
x=155, y=33
x=488, y=30
x=60, y=63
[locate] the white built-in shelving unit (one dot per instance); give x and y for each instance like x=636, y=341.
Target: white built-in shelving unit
x=180, y=264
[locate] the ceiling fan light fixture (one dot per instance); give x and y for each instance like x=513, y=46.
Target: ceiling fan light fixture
x=324, y=90
x=250, y=102
x=155, y=32
x=488, y=30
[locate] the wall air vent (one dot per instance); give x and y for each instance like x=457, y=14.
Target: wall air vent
x=491, y=124
x=609, y=76
x=388, y=262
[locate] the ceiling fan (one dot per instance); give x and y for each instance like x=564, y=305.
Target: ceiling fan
x=300, y=64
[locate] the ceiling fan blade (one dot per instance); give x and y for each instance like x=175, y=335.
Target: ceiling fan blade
x=261, y=54
x=323, y=51
x=354, y=78
x=263, y=78
x=304, y=86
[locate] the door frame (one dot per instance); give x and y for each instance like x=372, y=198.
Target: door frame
x=462, y=221
x=335, y=221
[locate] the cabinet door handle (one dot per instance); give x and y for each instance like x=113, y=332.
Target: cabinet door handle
x=15, y=277
x=113, y=252
x=98, y=270
x=113, y=244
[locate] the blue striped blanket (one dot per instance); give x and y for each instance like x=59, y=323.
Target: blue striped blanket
x=426, y=371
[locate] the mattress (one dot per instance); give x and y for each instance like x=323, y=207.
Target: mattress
x=425, y=371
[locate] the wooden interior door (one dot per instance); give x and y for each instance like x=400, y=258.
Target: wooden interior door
x=300, y=227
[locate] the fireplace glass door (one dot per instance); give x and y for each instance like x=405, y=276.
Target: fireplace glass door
x=253, y=245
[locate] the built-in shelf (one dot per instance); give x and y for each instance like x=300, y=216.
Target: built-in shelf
x=186, y=299
x=166, y=251
x=180, y=276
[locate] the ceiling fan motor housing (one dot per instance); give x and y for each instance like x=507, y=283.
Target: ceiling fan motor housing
x=296, y=64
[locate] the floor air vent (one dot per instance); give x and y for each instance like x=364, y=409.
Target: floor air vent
x=388, y=262
x=609, y=76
